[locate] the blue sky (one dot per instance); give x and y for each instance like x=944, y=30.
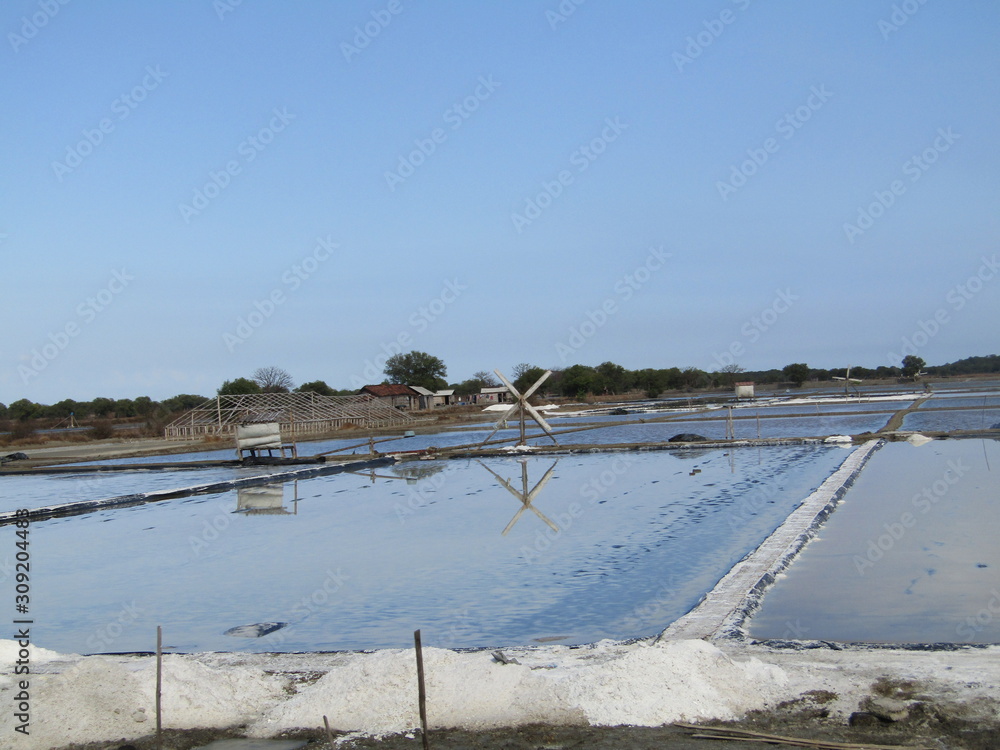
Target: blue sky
x=195, y=189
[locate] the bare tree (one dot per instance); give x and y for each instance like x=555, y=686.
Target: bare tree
x=521, y=369
x=486, y=378
x=273, y=379
x=731, y=371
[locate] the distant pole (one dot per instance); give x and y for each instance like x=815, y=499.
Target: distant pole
x=159, y=685
x=421, y=690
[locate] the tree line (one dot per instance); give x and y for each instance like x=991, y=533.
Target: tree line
x=423, y=369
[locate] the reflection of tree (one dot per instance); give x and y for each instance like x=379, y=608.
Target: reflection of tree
x=418, y=471
x=693, y=452
x=524, y=495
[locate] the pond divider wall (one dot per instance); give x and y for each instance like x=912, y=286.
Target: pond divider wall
x=722, y=611
x=141, y=498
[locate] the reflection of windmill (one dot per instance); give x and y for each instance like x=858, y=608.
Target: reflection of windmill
x=524, y=495
x=848, y=381
x=522, y=407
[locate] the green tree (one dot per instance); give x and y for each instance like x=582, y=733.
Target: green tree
x=182, y=402
x=319, y=387
x=144, y=406
x=239, y=387
x=64, y=408
x=125, y=407
x=468, y=387
x=912, y=365
x=577, y=381
x=652, y=382
x=22, y=410
x=527, y=378
x=796, y=373
x=101, y=406
x=416, y=368
x=612, y=378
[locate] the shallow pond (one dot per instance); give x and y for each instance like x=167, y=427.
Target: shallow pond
x=910, y=556
x=611, y=545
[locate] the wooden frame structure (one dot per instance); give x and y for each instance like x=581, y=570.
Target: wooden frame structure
x=522, y=408
x=297, y=413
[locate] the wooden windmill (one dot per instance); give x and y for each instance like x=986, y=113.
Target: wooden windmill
x=523, y=409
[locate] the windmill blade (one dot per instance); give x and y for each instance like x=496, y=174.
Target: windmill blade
x=510, y=386
x=538, y=383
x=499, y=424
x=514, y=520
x=541, y=421
x=507, y=485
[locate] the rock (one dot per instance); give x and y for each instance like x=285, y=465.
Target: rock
x=863, y=719
x=687, y=437
x=886, y=709
x=16, y=457
x=257, y=630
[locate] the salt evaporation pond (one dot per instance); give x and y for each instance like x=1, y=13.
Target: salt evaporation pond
x=910, y=556
x=947, y=421
x=359, y=562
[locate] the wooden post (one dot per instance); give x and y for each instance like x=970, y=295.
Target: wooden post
x=421, y=690
x=159, y=685
x=329, y=734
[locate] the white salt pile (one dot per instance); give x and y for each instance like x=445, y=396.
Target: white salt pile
x=102, y=698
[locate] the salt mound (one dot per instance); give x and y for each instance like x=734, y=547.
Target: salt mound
x=671, y=681
x=917, y=439
x=609, y=685
x=9, y=654
x=98, y=699
x=377, y=693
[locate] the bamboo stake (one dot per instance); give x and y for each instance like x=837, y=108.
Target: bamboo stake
x=329, y=734
x=421, y=690
x=159, y=685
x=726, y=733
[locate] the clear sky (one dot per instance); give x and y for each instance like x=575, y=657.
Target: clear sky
x=193, y=189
